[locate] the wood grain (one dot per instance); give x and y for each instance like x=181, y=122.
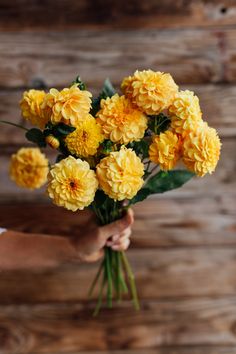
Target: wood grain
x=159, y=222
x=199, y=349
x=67, y=328
x=183, y=244
x=110, y=14
x=55, y=58
x=160, y=273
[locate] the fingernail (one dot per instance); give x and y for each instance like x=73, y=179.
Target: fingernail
x=115, y=237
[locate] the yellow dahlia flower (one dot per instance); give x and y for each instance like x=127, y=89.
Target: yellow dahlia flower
x=68, y=106
x=72, y=184
x=29, y=168
x=150, y=91
x=201, y=149
x=120, y=174
x=85, y=140
x=165, y=150
x=31, y=107
x=121, y=122
x=185, y=112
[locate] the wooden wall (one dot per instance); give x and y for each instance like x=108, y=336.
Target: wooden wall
x=184, y=243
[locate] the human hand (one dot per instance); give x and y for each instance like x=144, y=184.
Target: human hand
x=92, y=239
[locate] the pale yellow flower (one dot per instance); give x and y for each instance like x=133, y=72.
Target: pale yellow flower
x=72, y=184
x=165, y=150
x=150, y=91
x=69, y=106
x=85, y=140
x=185, y=112
x=29, y=168
x=121, y=122
x=201, y=149
x=31, y=107
x=120, y=174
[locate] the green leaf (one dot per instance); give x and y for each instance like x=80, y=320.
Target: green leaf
x=162, y=182
x=140, y=196
x=140, y=147
x=107, y=91
x=79, y=83
x=159, y=123
x=166, y=181
x=36, y=136
x=106, y=146
x=63, y=129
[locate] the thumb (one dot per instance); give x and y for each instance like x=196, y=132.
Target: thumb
x=118, y=226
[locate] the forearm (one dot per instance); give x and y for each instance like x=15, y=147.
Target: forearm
x=19, y=251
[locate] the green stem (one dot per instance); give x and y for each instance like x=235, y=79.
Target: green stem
x=14, y=125
x=99, y=302
x=109, y=277
x=131, y=281
x=96, y=279
x=123, y=285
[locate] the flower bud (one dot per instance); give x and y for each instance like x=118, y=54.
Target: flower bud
x=52, y=141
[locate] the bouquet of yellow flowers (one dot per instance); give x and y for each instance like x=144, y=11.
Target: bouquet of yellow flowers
x=114, y=151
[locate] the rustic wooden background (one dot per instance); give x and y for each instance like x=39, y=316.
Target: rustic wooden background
x=184, y=243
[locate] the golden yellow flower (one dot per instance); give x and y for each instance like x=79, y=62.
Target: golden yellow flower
x=68, y=106
x=120, y=174
x=85, y=140
x=201, y=149
x=29, y=168
x=121, y=122
x=31, y=107
x=185, y=112
x=72, y=184
x=165, y=150
x=150, y=91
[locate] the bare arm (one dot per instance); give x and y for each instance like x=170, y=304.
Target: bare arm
x=20, y=250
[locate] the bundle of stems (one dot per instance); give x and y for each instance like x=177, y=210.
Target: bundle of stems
x=115, y=276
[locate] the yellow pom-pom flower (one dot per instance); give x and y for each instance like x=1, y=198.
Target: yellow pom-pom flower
x=165, y=150
x=85, y=139
x=120, y=174
x=29, y=168
x=72, y=184
x=185, y=112
x=121, y=122
x=31, y=107
x=201, y=149
x=68, y=106
x=150, y=91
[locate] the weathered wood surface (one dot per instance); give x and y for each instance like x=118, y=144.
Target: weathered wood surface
x=183, y=246
x=54, y=58
x=67, y=328
x=159, y=222
x=183, y=253
x=161, y=273
x=199, y=349
x=217, y=104
x=107, y=13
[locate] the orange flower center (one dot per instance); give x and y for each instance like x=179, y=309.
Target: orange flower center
x=74, y=185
